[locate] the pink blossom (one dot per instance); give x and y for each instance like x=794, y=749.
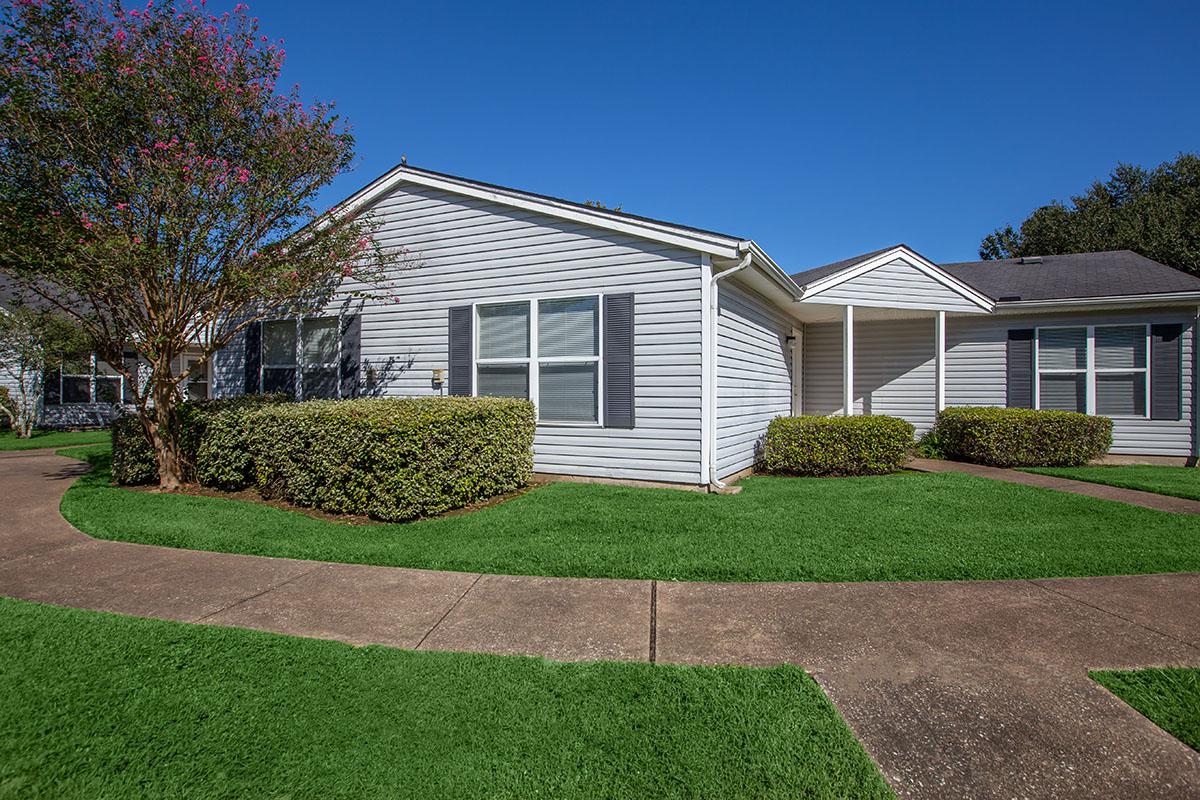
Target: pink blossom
x=122, y=206
x=137, y=240
x=240, y=7
x=243, y=175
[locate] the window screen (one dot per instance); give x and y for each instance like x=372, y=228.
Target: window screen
x=504, y=331
x=568, y=392
x=569, y=328
x=503, y=380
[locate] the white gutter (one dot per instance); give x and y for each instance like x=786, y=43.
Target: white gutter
x=1161, y=297
x=714, y=316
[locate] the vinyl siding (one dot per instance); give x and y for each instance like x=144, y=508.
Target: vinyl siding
x=894, y=371
x=465, y=250
x=754, y=376
x=975, y=372
x=896, y=285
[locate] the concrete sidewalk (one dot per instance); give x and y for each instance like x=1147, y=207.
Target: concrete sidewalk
x=957, y=689
x=1158, y=502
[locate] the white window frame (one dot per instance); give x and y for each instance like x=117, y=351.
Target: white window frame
x=534, y=362
x=91, y=379
x=1090, y=370
x=186, y=387
x=298, y=380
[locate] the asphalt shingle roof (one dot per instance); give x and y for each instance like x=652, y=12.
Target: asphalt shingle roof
x=805, y=277
x=1107, y=274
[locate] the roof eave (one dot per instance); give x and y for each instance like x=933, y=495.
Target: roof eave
x=687, y=238
x=1164, y=298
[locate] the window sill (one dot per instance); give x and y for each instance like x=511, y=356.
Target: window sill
x=548, y=424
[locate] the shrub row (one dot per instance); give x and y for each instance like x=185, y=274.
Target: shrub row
x=392, y=459
x=1019, y=437
x=199, y=422
x=809, y=445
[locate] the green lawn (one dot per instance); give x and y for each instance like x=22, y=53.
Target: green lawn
x=100, y=706
x=1176, y=481
x=9, y=440
x=1170, y=698
x=910, y=526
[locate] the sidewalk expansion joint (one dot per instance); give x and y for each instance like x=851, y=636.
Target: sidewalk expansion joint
x=257, y=595
x=653, y=621
x=1102, y=610
x=449, y=611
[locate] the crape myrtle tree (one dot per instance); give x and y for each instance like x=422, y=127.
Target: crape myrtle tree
x=156, y=187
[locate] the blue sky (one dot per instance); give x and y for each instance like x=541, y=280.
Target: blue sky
x=819, y=130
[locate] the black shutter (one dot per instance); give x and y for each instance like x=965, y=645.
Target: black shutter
x=129, y=390
x=618, y=361
x=1166, y=371
x=51, y=389
x=253, y=358
x=1019, y=392
x=461, y=332
x=351, y=347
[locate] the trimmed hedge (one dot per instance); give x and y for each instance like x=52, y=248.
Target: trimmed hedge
x=134, y=462
x=821, y=446
x=1021, y=437
x=223, y=458
x=392, y=459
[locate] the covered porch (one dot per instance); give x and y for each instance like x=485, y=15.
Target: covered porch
x=872, y=338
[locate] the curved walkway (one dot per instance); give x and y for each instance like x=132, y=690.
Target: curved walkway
x=957, y=689
x=1136, y=497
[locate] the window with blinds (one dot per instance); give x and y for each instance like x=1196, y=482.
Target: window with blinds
x=1094, y=369
x=1062, y=369
x=569, y=359
x=1122, y=353
x=502, y=363
x=547, y=351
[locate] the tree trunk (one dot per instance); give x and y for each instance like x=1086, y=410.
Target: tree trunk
x=164, y=435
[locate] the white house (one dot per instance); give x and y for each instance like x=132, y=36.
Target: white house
x=660, y=352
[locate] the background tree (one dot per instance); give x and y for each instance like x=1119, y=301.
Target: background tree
x=30, y=341
x=1154, y=212
x=157, y=188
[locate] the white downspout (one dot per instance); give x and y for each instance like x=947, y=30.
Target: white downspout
x=714, y=316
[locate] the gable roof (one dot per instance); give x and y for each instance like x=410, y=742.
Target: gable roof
x=719, y=244
x=813, y=282
x=814, y=274
x=1109, y=274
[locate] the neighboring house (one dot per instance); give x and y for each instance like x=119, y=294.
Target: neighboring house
x=660, y=352
x=85, y=391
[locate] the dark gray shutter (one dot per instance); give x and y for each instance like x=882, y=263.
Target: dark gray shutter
x=460, y=328
x=351, y=349
x=51, y=389
x=618, y=361
x=253, y=358
x=129, y=389
x=1019, y=392
x=1166, y=371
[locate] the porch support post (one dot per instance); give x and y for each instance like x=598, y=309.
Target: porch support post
x=797, y=371
x=848, y=361
x=939, y=359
